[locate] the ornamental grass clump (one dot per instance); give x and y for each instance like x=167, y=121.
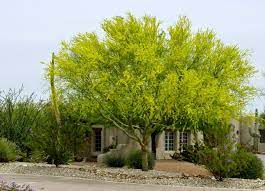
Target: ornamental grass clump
x=134, y=160
x=114, y=159
x=8, y=150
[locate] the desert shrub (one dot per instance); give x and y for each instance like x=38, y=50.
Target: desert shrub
x=218, y=161
x=107, y=149
x=58, y=154
x=232, y=164
x=114, y=159
x=248, y=165
x=217, y=135
x=37, y=156
x=52, y=154
x=49, y=140
x=219, y=151
x=190, y=153
x=134, y=159
x=60, y=144
x=225, y=159
x=75, y=130
x=8, y=150
x=19, y=114
x=14, y=187
x=176, y=156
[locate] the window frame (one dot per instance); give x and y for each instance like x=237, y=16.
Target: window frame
x=97, y=140
x=169, y=140
x=183, y=142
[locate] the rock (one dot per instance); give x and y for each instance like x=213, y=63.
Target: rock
x=100, y=158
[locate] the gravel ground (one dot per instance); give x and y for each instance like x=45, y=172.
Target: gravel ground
x=94, y=172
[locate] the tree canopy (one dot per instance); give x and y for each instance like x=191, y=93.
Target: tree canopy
x=141, y=77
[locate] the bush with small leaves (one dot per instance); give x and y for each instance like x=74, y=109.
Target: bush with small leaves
x=108, y=148
x=8, y=150
x=190, y=153
x=218, y=161
x=134, y=160
x=249, y=166
x=177, y=156
x=114, y=159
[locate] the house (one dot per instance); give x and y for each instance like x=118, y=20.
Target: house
x=252, y=134
x=162, y=144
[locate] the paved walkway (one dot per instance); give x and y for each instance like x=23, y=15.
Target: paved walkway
x=48, y=183
x=262, y=157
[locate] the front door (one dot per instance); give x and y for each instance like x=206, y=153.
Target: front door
x=153, y=142
x=97, y=141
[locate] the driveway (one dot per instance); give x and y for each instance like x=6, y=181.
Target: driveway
x=50, y=183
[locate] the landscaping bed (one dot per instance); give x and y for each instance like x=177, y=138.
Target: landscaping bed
x=186, y=168
x=95, y=172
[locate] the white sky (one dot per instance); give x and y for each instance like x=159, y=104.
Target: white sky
x=31, y=29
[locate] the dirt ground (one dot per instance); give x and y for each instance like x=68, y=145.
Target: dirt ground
x=186, y=168
x=181, y=167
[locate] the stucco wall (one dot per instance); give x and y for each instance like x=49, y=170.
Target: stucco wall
x=161, y=153
x=246, y=127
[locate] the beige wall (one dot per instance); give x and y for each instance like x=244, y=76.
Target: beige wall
x=110, y=136
x=113, y=136
x=161, y=153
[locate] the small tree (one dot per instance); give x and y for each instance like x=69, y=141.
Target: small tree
x=140, y=77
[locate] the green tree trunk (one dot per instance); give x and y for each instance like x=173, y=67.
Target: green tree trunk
x=144, y=148
x=145, y=159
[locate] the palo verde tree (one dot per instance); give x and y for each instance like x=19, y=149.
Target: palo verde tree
x=140, y=77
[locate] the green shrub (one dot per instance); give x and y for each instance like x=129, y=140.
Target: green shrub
x=8, y=150
x=114, y=159
x=248, y=165
x=219, y=151
x=107, y=149
x=37, y=156
x=218, y=161
x=190, y=153
x=176, y=156
x=19, y=114
x=57, y=154
x=224, y=159
x=134, y=160
x=59, y=145
x=225, y=163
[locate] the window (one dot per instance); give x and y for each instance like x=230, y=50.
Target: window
x=262, y=135
x=169, y=140
x=97, y=139
x=183, y=139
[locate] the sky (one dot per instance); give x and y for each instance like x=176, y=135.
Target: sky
x=31, y=29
